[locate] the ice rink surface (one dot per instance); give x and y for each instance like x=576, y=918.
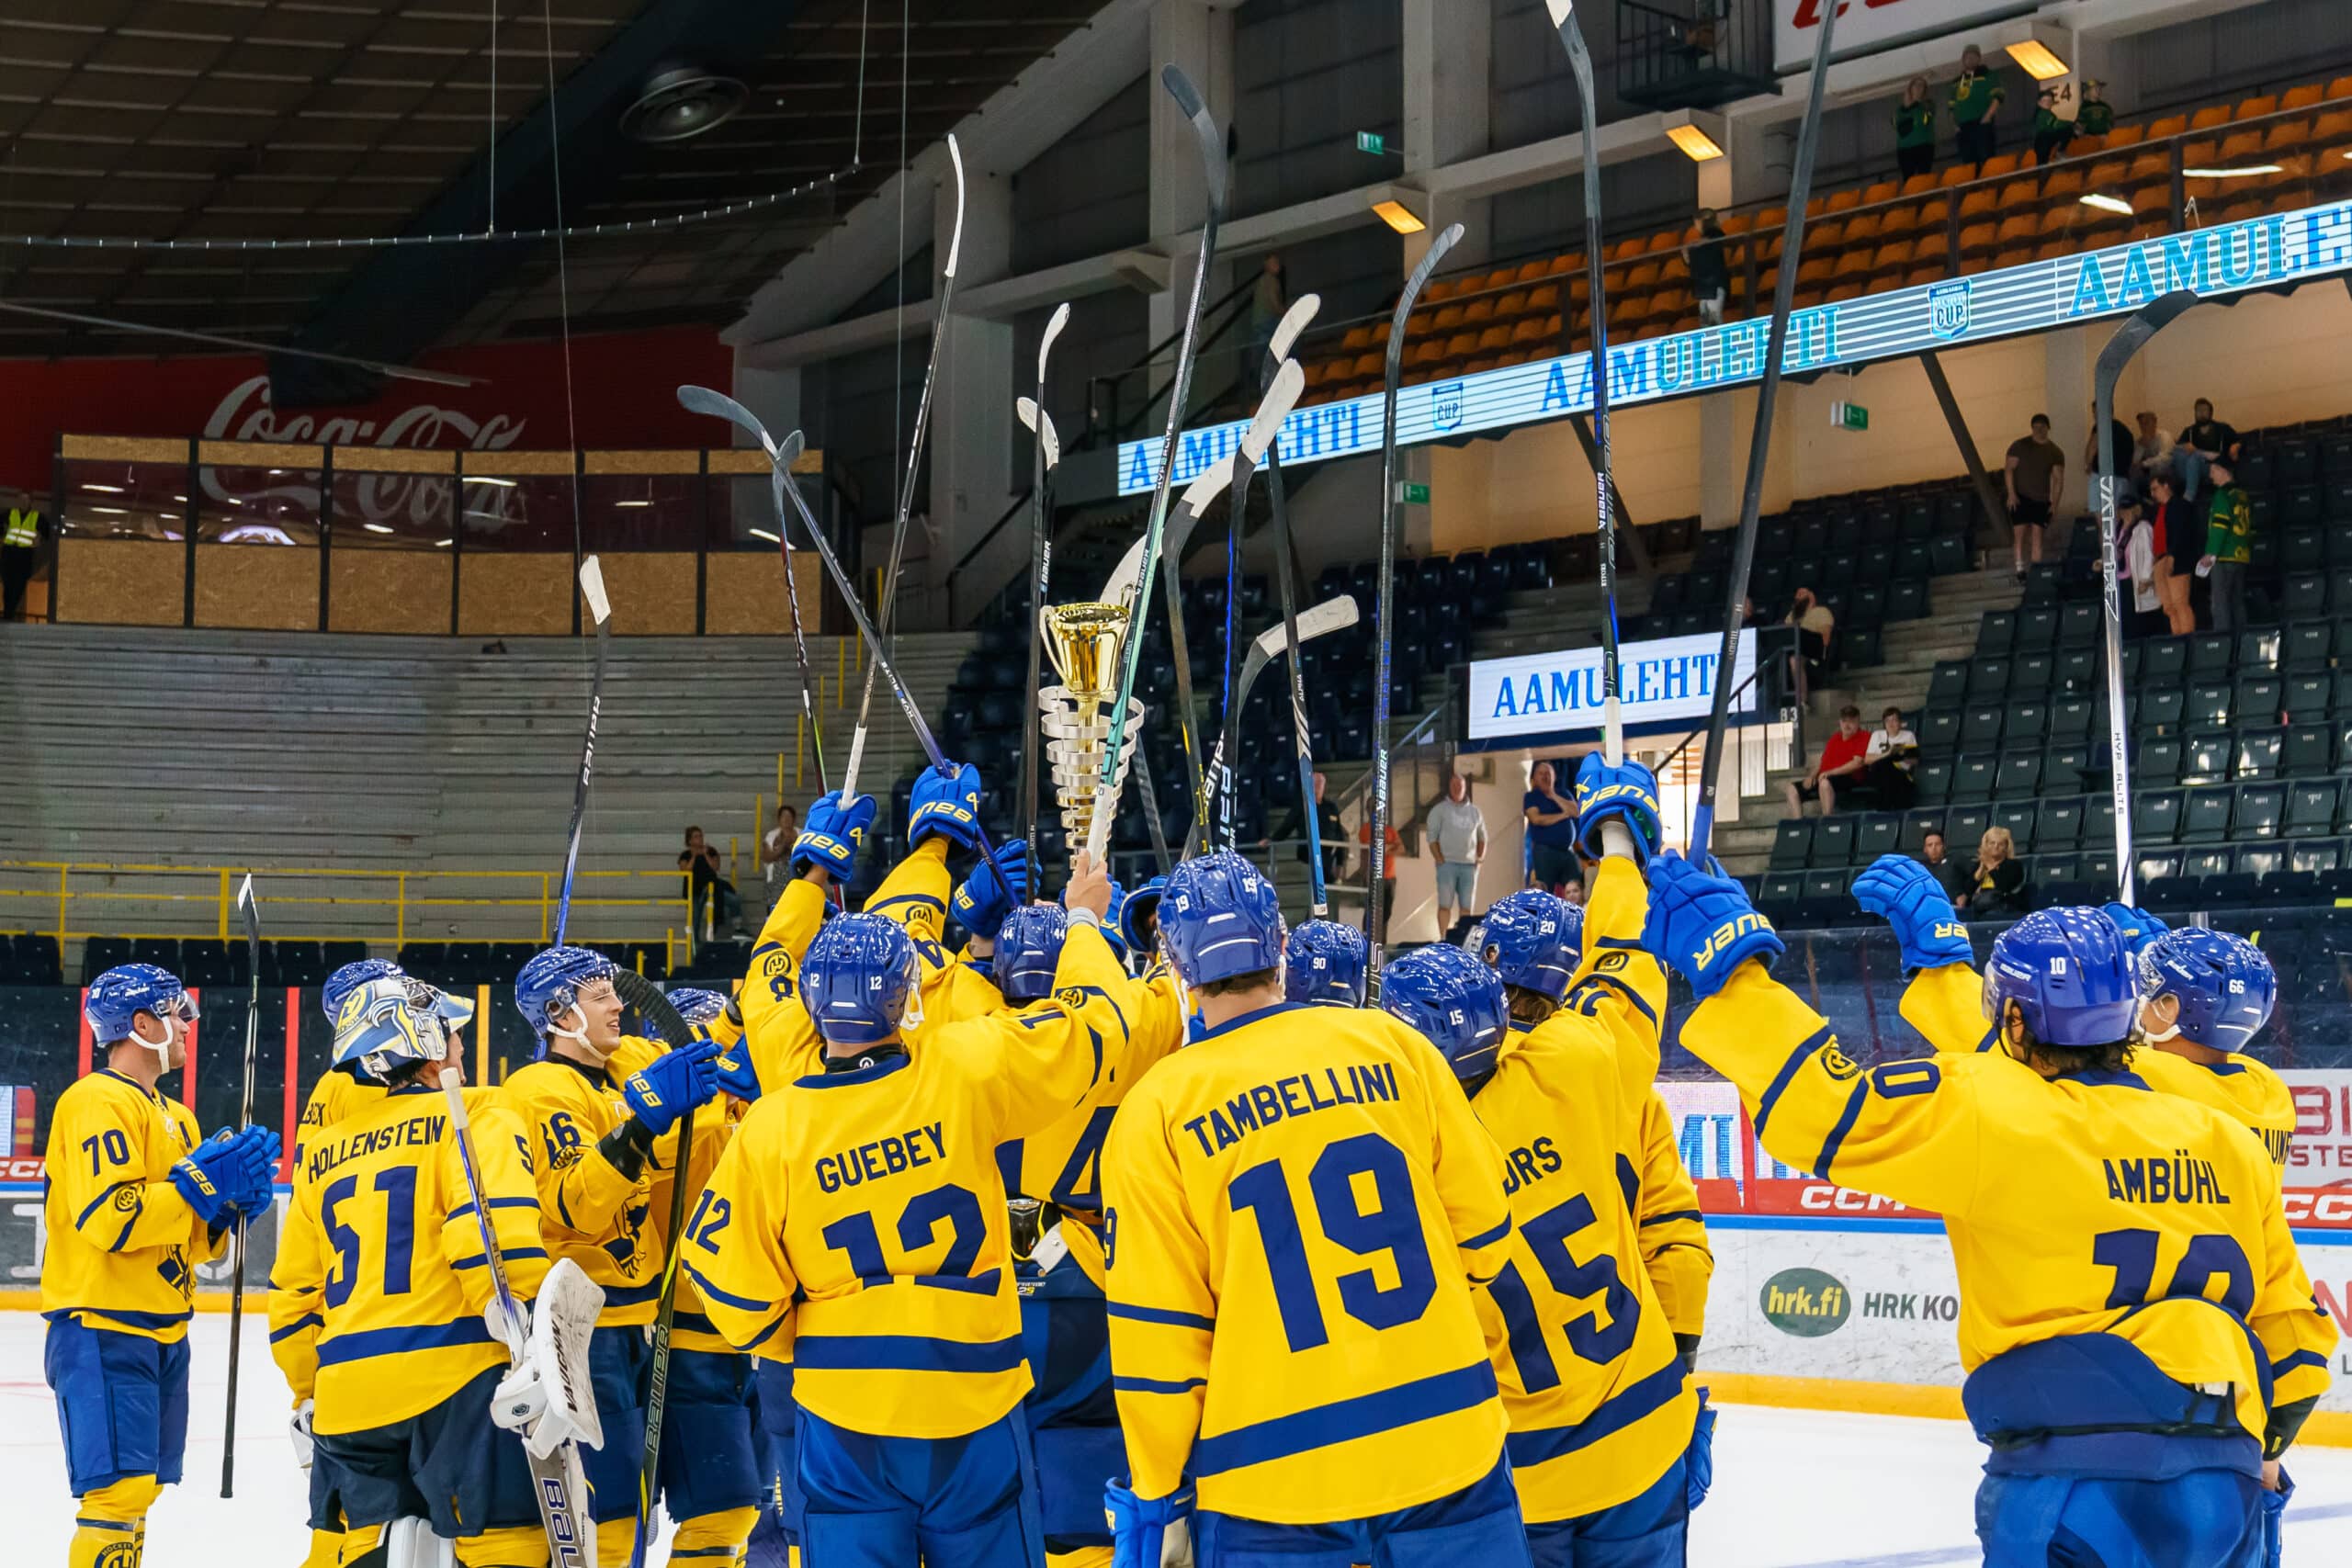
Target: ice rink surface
x=1794, y=1488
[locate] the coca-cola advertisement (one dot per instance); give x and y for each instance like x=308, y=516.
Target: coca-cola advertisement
x=621, y=393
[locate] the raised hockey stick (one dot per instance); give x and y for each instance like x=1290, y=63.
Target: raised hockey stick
x=1286, y=333
x=250, y=908
x=781, y=463
x=1375, y=919
x=1212, y=146
x=677, y=1034
x=557, y=1479
x=1041, y=566
x=1759, y=444
x=1275, y=641
x=907, y=486
x=1612, y=721
x=2128, y=339
x=600, y=609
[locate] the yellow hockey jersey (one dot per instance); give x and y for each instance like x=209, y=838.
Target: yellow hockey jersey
x=1675, y=1253
x=335, y=1096
x=2085, y=1205
x=1300, y=1204
x=1946, y=1006
x=377, y=1295
x=1062, y=1164
x=591, y=1212
x=122, y=1243
x=871, y=1198
x=691, y=1328
x=1599, y=1400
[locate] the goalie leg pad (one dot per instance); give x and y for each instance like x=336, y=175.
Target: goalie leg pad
x=411, y=1543
x=1649, y=1530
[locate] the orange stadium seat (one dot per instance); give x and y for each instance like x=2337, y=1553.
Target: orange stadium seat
x=2285, y=133
x=2019, y=195
x=2240, y=144
x=1851, y=265
x=1626, y=250
x=1892, y=259
x=2050, y=250
x=1931, y=247
x=1493, y=338
x=1956, y=174
x=2331, y=125
x=2302, y=97
x=2166, y=125
x=1669, y=303
x=1560, y=266
x=1461, y=344
x=1475, y=366
x=1846, y=291
x=1447, y=319
x=1529, y=331
x=2065, y=182
x=1544, y=297
x=2155, y=163
x=1998, y=164
x=1862, y=228
x=1935, y=213
x=2125, y=135
x=1510, y=306
x=1882, y=191
x=1975, y=239
x=1918, y=276
x=1844, y=201
x=1640, y=279
x=2018, y=229
x=1530, y=271
x=1553, y=326
x=1439, y=288
x=1579, y=287
x=2257, y=106
x=1479, y=310
x=1980, y=202
x=1817, y=271
x=2104, y=173
x=1366, y=364
x=2209, y=117
x=1918, y=185
x=2084, y=146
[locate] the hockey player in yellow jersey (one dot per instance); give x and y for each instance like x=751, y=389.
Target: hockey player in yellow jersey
x=601, y=1109
x=2138, y=1331
x=1301, y=1208
x=1602, y=1413
x=1675, y=1253
x=380, y=1307
x=860, y=1212
x=133, y=1203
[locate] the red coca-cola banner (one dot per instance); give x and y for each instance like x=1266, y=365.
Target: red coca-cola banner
x=623, y=392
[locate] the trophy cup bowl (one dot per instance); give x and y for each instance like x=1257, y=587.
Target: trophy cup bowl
x=1085, y=642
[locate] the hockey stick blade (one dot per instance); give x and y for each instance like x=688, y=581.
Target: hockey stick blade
x=1030, y=417
x=1188, y=98
x=1281, y=397
x=1295, y=321
x=1197, y=498
x=1333, y=615
x=1053, y=325
x=592, y=587
x=702, y=400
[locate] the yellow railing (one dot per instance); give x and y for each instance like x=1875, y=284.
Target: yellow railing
x=64, y=897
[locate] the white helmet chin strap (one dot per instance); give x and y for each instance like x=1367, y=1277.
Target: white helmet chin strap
x=911, y=1019
x=578, y=1036
x=162, y=1048
x=2152, y=1036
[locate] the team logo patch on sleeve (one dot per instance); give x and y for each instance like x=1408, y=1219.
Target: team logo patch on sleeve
x=1838, y=1065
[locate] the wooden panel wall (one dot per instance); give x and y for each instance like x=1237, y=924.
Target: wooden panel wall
x=133, y=582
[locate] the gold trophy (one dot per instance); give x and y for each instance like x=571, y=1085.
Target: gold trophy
x=1085, y=642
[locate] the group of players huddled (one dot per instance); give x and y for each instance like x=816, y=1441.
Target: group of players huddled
x=1129, y=1229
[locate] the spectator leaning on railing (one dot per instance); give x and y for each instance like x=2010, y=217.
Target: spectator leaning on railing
x=1976, y=97
x=1914, y=130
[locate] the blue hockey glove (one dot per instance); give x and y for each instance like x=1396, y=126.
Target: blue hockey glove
x=256, y=1176
x=1142, y=1528
x=2274, y=1519
x=671, y=1084
x=997, y=887
x=208, y=1174
x=835, y=835
x=1906, y=896
x=1702, y=927
x=2139, y=926
x=736, y=1075
x=1114, y=921
x=1699, y=1459
x=946, y=801
x=1627, y=793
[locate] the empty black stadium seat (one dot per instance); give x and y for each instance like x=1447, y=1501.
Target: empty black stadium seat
x=2018, y=817
x=2207, y=757
x=2061, y=827
x=2164, y=660
x=2259, y=753
x=1996, y=632
x=1793, y=844
x=1974, y=774
x=2155, y=816
x=2205, y=815
x=1833, y=842
x=1964, y=828
x=2260, y=808
x=2311, y=811
x=2158, y=761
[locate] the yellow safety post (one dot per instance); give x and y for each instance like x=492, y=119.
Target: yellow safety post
x=482, y=1033
x=799, y=750
x=60, y=907
x=224, y=903
x=544, y=915
x=399, y=906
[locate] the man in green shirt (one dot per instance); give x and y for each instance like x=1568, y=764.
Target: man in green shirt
x=2229, y=545
x=1977, y=96
x=1914, y=130
x=2051, y=133
x=2094, y=116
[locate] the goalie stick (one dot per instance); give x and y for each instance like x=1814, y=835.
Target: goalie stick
x=1212, y=146
x=250, y=908
x=592, y=587
x=558, y=1481
x=1612, y=721
x=1286, y=333
x=2128, y=339
x=1376, y=918
x=1759, y=446
x=1282, y=638
x=889, y=595
x=1041, y=566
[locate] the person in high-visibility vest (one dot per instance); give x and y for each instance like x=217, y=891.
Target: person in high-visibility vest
x=19, y=555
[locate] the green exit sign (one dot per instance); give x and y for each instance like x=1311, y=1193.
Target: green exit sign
x=1412, y=495
x=1371, y=141
x=1850, y=416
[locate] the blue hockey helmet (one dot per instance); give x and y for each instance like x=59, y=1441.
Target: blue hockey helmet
x=2223, y=984
x=697, y=1007
x=341, y=983
x=1028, y=946
x=1324, y=964
x=549, y=985
x=1135, y=909
x=1531, y=938
x=386, y=1023
x=1219, y=917
x=2070, y=972
x=860, y=981
x=125, y=991
x=1453, y=999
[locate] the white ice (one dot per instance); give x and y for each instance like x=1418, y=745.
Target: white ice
x=1794, y=1488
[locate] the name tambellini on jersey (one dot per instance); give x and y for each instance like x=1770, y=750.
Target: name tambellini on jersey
x=1301, y=1094
x=414, y=1132
x=2182, y=1179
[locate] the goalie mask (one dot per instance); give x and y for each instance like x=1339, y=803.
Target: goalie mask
x=389, y=1024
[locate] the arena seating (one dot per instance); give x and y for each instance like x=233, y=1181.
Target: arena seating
x=1874, y=236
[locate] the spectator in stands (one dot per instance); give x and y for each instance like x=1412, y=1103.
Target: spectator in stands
x=1709, y=277
x=2229, y=540
x=2205, y=440
x=701, y=866
x=2037, y=478
x=2153, y=451
x=1394, y=853
x=2135, y=561
x=1888, y=764
x=1843, y=757
x=2178, y=543
x=1992, y=886
x=1914, y=130
x=1932, y=856
x=775, y=846
x=2094, y=116
x=1457, y=831
x=1572, y=892
x=1329, y=831
x=1551, y=831
x=1816, y=623
x=2051, y=131
x=1269, y=298
x=1977, y=96
x=2124, y=449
